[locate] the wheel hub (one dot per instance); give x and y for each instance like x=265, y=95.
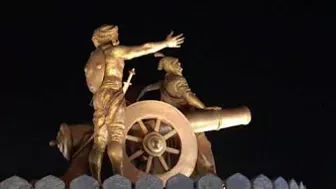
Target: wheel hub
x=154, y=144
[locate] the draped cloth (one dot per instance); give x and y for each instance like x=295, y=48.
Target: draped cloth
x=109, y=105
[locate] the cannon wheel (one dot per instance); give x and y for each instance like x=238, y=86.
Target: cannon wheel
x=153, y=143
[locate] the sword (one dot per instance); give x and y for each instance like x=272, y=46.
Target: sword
x=128, y=82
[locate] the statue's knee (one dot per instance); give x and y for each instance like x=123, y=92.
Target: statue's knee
x=115, y=150
x=116, y=132
x=100, y=142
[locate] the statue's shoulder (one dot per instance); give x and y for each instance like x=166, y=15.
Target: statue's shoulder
x=115, y=50
x=176, y=84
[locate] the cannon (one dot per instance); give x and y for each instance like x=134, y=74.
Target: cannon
x=161, y=140
x=156, y=122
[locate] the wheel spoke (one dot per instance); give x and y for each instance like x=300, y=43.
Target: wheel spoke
x=169, y=134
x=149, y=163
x=136, y=154
x=142, y=126
x=157, y=125
x=163, y=163
x=172, y=150
x=133, y=138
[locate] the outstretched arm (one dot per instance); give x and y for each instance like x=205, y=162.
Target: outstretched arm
x=129, y=53
x=151, y=87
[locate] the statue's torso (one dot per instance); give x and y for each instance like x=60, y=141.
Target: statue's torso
x=171, y=92
x=114, y=67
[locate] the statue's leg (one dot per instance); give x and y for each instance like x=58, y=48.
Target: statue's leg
x=99, y=144
x=205, y=159
x=115, y=122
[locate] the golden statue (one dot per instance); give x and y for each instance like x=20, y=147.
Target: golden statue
x=104, y=74
x=174, y=90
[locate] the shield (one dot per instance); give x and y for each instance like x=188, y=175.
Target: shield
x=95, y=70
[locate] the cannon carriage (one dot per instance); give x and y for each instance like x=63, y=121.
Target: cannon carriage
x=161, y=140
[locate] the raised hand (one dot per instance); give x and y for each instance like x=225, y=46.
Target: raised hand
x=174, y=42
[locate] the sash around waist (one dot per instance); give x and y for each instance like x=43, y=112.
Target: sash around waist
x=113, y=84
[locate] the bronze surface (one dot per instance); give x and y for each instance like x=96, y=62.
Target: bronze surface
x=163, y=138
x=105, y=82
x=175, y=90
x=165, y=113
x=94, y=70
x=214, y=120
x=154, y=144
x=79, y=134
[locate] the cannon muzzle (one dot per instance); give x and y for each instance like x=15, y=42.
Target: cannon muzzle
x=214, y=120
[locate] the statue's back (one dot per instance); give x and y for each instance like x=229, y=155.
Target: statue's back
x=95, y=70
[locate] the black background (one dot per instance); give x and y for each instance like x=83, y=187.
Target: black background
x=274, y=57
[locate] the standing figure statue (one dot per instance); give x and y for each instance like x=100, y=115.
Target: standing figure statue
x=174, y=90
x=104, y=74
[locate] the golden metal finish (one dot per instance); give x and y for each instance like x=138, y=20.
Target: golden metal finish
x=128, y=82
x=94, y=70
x=214, y=120
x=153, y=139
x=154, y=144
x=104, y=74
x=149, y=136
x=174, y=90
x=198, y=121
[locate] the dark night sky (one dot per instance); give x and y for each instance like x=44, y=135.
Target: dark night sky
x=276, y=58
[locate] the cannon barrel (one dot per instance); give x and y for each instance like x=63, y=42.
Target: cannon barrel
x=214, y=120
x=200, y=121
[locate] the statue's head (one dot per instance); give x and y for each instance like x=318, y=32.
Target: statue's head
x=105, y=34
x=169, y=64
